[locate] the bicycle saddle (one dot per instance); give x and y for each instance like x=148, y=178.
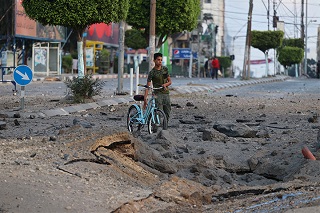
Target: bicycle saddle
x=138, y=97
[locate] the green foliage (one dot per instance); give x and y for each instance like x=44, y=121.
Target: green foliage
x=171, y=16
x=74, y=55
x=225, y=62
x=135, y=40
x=104, y=55
x=67, y=63
x=76, y=14
x=290, y=55
x=293, y=42
x=265, y=40
x=84, y=88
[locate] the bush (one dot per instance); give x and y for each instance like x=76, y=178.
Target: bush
x=84, y=88
x=74, y=55
x=67, y=63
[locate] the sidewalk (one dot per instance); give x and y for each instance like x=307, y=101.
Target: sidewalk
x=183, y=86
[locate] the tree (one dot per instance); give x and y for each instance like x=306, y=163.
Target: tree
x=76, y=14
x=135, y=40
x=293, y=42
x=290, y=55
x=225, y=62
x=286, y=59
x=265, y=40
x=171, y=17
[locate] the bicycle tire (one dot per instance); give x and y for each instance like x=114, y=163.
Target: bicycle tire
x=160, y=121
x=132, y=114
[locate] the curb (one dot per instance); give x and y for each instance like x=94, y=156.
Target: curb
x=205, y=88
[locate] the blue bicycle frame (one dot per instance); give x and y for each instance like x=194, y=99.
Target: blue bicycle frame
x=142, y=117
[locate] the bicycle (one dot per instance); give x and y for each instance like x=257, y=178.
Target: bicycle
x=154, y=117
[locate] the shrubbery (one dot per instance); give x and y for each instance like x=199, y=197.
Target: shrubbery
x=83, y=88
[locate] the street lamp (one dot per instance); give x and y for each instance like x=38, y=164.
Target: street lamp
x=306, y=44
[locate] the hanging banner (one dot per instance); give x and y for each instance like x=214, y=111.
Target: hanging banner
x=28, y=28
x=262, y=61
x=107, y=33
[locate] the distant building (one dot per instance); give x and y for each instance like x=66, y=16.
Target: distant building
x=215, y=9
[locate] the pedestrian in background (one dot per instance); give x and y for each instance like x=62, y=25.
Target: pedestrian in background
x=206, y=67
x=215, y=67
x=210, y=66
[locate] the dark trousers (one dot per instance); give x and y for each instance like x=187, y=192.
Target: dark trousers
x=214, y=73
x=163, y=102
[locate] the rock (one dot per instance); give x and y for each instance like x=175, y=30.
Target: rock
x=4, y=115
x=16, y=122
x=197, y=117
x=313, y=119
x=189, y=104
x=243, y=120
x=112, y=109
x=263, y=134
x=83, y=123
x=147, y=155
x=253, y=162
x=52, y=138
x=194, y=121
x=17, y=115
x=210, y=135
x=232, y=129
x=3, y=125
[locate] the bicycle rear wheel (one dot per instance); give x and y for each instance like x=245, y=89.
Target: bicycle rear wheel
x=157, y=123
x=132, y=122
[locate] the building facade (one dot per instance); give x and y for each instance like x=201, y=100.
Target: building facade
x=213, y=22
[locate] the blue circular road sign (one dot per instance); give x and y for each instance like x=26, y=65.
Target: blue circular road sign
x=22, y=75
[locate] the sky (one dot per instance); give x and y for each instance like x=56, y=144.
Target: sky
x=289, y=11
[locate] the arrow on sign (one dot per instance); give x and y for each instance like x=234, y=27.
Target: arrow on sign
x=24, y=76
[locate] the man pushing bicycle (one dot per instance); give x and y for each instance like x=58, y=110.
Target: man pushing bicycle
x=159, y=77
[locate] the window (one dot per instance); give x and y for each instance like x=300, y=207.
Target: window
x=207, y=1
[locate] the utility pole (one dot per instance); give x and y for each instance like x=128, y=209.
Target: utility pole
x=275, y=20
x=306, y=42
x=152, y=36
x=246, y=63
x=295, y=20
x=268, y=12
x=302, y=31
x=120, y=57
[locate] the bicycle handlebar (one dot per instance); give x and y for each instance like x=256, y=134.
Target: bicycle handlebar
x=148, y=87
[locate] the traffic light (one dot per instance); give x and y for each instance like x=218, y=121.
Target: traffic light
x=231, y=57
x=275, y=21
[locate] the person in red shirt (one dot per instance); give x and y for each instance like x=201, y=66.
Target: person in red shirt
x=215, y=67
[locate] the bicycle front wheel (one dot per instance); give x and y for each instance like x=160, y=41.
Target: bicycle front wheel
x=157, y=122
x=132, y=122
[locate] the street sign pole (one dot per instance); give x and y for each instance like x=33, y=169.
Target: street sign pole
x=190, y=65
x=22, y=75
x=22, y=94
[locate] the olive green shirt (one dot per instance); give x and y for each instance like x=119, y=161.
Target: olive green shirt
x=158, y=78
